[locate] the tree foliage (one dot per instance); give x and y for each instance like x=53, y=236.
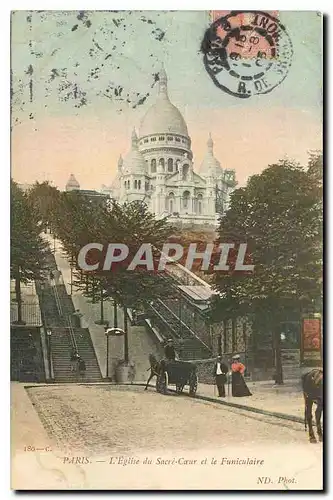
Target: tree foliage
x=79, y=221
x=278, y=215
x=27, y=246
x=43, y=198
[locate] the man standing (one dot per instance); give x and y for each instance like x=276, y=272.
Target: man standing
x=220, y=374
x=169, y=351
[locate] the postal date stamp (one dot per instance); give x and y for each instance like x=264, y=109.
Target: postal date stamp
x=247, y=53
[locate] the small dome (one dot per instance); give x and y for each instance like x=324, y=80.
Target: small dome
x=72, y=184
x=210, y=165
x=134, y=162
x=163, y=117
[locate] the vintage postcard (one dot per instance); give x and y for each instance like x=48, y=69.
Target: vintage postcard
x=166, y=250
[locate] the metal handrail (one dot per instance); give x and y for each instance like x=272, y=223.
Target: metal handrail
x=57, y=299
x=192, y=332
x=71, y=331
x=184, y=324
x=164, y=321
x=69, y=322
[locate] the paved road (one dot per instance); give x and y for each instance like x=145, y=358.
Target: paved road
x=109, y=419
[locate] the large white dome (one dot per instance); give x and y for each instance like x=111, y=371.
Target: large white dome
x=163, y=117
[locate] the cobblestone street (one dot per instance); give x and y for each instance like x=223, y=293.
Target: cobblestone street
x=108, y=419
x=117, y=437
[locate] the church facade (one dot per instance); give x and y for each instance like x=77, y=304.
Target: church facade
x=159, y=169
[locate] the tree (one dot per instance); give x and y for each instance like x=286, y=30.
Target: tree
x=79, y=221
x=132, y=224
x=278, y=214
x=44, y=198
x=27, y=246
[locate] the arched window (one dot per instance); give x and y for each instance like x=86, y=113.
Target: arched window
x=125, y=184
x=135, y=184
x=139, y=184
x=170, y=165
x=153, y=166
x=185, y=171
x=161, y=161
x=171, y=203
x=199, y=203
x=128, y=184
x=186, y=199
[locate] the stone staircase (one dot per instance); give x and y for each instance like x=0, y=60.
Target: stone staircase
x=61, y=346
x=57, y=312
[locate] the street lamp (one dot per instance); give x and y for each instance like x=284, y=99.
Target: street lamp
x=180, y=314
x=102, y=321
x=111, y=332
x=48, y=334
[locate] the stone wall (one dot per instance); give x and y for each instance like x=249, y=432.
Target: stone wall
x=205, y=369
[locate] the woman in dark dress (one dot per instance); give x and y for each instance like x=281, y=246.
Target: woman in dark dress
x=238, y=384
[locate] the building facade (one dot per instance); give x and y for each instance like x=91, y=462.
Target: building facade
x=159, y=168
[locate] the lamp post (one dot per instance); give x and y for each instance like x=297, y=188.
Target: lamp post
x=115, y=313
x=102, y=321
x=180, y=314
x=111, y=332
x=48, y=335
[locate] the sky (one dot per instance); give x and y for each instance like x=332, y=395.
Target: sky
x=82, y=80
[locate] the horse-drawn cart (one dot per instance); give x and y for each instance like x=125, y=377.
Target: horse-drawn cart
x=178, y=373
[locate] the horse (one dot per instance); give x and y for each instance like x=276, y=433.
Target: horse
x=312, y=383
x=154, y=368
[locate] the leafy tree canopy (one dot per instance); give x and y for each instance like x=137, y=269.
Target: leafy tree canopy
x=278, y=214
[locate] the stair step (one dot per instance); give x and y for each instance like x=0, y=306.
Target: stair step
x=61, y=343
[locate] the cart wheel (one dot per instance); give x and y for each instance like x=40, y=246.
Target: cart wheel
x=193, y=383
x=162, y=383
x=179, y=388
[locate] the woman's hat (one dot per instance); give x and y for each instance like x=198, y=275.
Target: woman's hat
x=237, y=356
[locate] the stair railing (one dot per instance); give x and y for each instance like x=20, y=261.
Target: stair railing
x=184, y=324
x=72, y=334
x=161, y=317
x=69, y=321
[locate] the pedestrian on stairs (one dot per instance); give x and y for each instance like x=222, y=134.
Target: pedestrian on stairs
x=78, y=315
x=82, y=367
x=74, y=360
